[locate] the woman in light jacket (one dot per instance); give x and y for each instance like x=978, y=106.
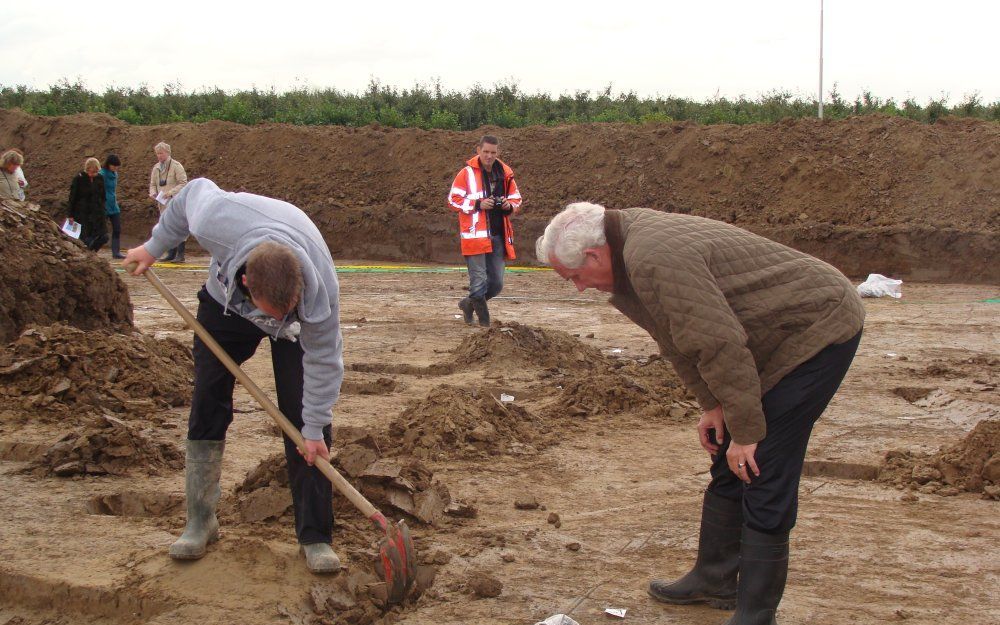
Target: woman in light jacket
x=165, y=181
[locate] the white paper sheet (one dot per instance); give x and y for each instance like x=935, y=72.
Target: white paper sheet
x=73, y=229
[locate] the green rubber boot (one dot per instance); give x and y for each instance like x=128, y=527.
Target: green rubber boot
x=203, y=468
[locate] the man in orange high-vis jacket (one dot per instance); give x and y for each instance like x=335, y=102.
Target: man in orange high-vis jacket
x=485, y=195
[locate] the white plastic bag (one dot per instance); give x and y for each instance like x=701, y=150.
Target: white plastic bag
x=558, y=619
x=878, y=285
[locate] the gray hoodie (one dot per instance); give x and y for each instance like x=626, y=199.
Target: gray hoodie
x=230, y=226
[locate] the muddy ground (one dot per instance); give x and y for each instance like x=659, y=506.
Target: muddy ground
x=598, y=433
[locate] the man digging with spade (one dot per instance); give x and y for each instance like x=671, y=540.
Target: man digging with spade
x=271, y=275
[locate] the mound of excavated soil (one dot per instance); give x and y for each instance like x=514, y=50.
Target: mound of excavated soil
x=869, y=194
x=514, y=345
x=48, y=277
x=613, y=392
x=452, y=421
x=972, y=464
x=58, y=370
x=403, y=484
x=107, y=446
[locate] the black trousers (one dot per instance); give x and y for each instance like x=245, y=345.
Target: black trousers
x=116, y=225
x=212, y=408
x=791, y=408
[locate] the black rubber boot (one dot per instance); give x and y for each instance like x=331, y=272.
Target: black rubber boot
x=203, y=468
x=482, y=310
x=116, y=248
x=763, y=571
x=171, y=255
x=180, y=252
x=713, y=578
x=465, y=305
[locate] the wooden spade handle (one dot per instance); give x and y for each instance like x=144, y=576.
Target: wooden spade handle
x=286, y=426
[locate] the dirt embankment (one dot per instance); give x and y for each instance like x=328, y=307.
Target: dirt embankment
x=48, y=277
x=869, y=194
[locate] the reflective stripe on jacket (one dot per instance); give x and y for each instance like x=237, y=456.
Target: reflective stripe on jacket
x=473, y=224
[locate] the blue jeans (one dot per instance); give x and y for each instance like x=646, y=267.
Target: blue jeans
x=486, y=270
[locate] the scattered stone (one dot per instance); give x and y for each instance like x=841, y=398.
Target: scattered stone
x=461, y=510
x=912, y=394
x=331, y=597
x=439, y=557
x=484, y=585
x=355, y=459
x=507, y=557
x=909, y=498
x=574, y=546
x=553, y=518
x=526, y=502
x=270, y=502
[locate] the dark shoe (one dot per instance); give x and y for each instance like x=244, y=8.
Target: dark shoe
x=713, y=578
x=117, y=256
x=180, y=253
x=171, y=255
x=466, y=307
x=763, y=571
x=479, y=305
x=116, y=249
x=98, y=242
x=203, y=468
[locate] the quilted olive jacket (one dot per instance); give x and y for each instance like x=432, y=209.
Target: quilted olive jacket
x=732, y=311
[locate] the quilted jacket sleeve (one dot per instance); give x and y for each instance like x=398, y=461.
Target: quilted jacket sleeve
x=710, y=341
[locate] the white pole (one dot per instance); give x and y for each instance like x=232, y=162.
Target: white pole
x=821, y=59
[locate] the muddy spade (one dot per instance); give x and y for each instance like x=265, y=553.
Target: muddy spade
x=396, y=555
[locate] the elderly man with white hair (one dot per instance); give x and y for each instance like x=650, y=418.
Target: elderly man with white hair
x=165, y=181
x=762, y=335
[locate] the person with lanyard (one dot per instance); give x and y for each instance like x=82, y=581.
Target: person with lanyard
x=110, y=174
x=165, y=181
x=485, y=196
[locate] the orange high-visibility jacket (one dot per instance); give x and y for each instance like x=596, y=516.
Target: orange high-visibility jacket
x=473, y=224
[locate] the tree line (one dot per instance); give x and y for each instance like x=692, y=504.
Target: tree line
x=431, y=106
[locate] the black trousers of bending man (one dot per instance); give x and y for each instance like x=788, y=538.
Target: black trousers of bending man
x=212, y=408
x=791, y=408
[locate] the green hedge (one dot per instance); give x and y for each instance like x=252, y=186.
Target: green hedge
x=431, y=106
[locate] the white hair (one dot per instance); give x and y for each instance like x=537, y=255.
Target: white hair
x=579, y=227
x=162, y=147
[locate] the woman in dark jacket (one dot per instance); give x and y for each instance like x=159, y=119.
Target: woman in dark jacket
x=86, y=205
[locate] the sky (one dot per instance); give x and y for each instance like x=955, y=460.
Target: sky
x=700, y=50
